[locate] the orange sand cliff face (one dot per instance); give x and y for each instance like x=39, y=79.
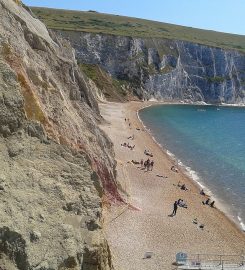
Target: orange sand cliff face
x=37, y=96
x=18, y=2
x=57, y=166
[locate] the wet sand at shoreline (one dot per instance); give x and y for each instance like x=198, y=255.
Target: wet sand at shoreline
x=148, y=227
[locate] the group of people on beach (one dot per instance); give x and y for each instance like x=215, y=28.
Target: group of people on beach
x=147, y=164
x=128, y=145
x=182, y=186
x=207, y=202
x=127, y=120
x=181, y=203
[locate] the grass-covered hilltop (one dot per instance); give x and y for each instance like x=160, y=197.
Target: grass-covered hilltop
x=129, y=58
x=94, y=22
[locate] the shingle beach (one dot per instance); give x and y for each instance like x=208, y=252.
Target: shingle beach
x=144, y=223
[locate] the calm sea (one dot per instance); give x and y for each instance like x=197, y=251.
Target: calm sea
x=210, y=142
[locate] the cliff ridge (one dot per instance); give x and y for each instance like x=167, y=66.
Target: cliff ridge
x=164, y=69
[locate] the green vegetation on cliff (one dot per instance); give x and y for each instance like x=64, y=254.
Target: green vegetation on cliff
x=95, y=22
x=216, y=79
x=112, y=89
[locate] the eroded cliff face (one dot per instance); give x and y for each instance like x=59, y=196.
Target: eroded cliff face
x=166, y=69
x=56, y=164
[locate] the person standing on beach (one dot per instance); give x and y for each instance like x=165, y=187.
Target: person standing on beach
x=175, y=208
x=141, y=163
x=212, y=203
x=148, y=164
x=152, y=164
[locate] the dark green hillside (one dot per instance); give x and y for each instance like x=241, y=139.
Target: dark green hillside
x=118, y=25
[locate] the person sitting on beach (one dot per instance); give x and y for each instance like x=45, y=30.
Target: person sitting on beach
x=201, y=226
x=174, y=169
x=202, y=192
x=162, y=176
x=207, y=202
x=148, y=153
x=135, y=161
x=183, y=187
x=181, y=203
x=212, y=203
x=131, y=137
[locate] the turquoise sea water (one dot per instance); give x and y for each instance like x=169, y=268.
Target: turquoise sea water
x=210, y=142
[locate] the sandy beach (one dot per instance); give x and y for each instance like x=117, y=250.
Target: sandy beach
x=144, y=223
